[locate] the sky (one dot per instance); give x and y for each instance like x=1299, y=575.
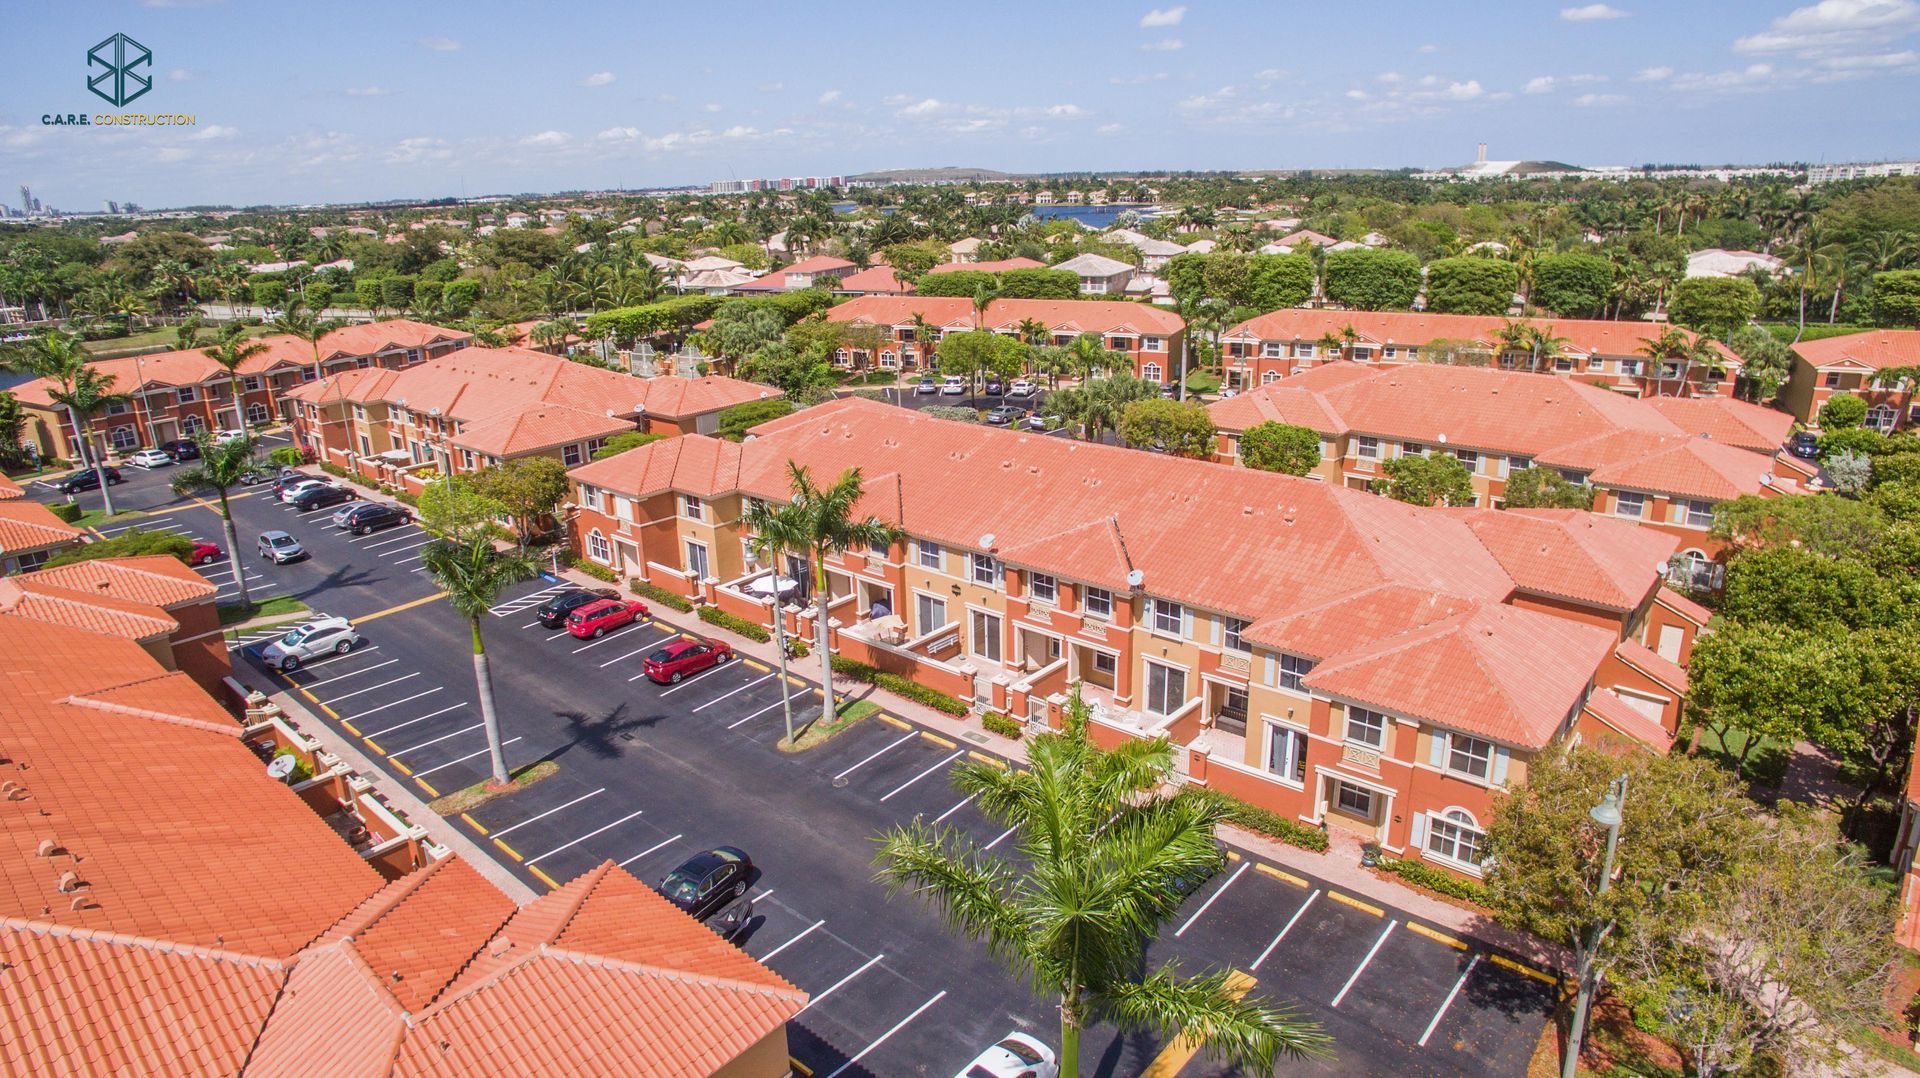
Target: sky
x=357, y=101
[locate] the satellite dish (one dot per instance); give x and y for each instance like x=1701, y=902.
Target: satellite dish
x=1443, y=439
x=1136, y=578
x=280, y=768
x=986, y=541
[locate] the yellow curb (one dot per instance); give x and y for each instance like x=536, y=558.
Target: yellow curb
x=431, y=792
x=756, y=667
x=400, y=767
x=1349, y=900
x=688, y=636
x=544, y=878
x=805, y=1071
x=896, y=723
x=435, y=597
x=1280, y=874
x=991, y=761
x=1233, y=855
x=331, y=713
x=310, y=697
x=791, y=680
x=1183, y=1048
x=511, y=852
x=1438, y=937
x=938, y=740
x=474, y=822
x=1525, y=970
x=375, y=745
x=349, y=728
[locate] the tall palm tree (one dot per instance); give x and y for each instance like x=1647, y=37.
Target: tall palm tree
x=983, y=298
x=1089, y=354
x=774, y=534
x=83, y=396
x=923, y=336
x=826, y=525
x=307, y=325
x=223, y=466
x=1543, y=344
x=472, y=573
x=1672, y=343
x=57, y=356
x=230, y=351
x=1104, y=851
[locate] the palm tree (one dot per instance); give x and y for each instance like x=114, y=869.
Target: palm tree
x=1544, y=344
x=825, y=526
x=186, y=335
x=57, y=356
x=1089, y=354
x=1034, y=332
x=472, y=573
x=1672, y=343
x=83, y=396
x=983, y=298
x=230, y=351
x=923, y=336
x=298, y=321
x=1104, y=855
x=774, y=534
x=223, y=466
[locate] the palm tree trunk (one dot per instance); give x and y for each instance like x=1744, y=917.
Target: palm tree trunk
x=1069, y=1042
x=821, y=634
x=99, y=464
x=780, y=654
x=239, y=406
x=483, y=682
x=233, y=551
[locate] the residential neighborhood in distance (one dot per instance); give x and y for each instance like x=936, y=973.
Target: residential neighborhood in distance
x=1192, y=558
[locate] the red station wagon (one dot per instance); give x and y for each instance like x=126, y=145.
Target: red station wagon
x=595, y=619
x=683, y=658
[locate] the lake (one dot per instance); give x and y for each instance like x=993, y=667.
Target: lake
x=1096, y=218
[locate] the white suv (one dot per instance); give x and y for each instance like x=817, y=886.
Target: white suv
x=311, y=639
x=952, y=386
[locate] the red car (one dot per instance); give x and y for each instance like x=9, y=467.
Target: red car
x=594, y=619
x=684, y=657
x=204, y=553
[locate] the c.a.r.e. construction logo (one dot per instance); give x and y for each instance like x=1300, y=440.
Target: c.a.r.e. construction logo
x=119, y=70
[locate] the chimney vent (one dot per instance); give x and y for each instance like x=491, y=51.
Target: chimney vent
x=69, y=882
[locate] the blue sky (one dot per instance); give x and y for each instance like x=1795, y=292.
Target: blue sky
x=350, y=100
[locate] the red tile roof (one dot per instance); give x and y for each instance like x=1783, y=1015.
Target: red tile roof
x=1684, y=606
x=1877, y=349
x=698, y=466
x=996, y=266
x=26, y=526
x=899, y=310
x=10, y=489
x=1628, y=720
x=874, y=279
x=1726, y=420
x=1584, y=336
x=422, y=929
x=155, y=579
x=1666, y=464
x=1060, y=315
x=783, y=278
x=1651, y=663
x=33, y=600
x=1573, y=554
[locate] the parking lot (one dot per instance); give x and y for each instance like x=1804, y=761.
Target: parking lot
x=651, y=774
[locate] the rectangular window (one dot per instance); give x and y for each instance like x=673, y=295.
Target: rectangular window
x=251, y=383
x=1357, y=800
x=1412, y=449
x=1832, y=380
x=1366, y=448
x=466, y=459
x=570, y=454
x=1469, y=459
x=1368, y=728
x=1292, y=669
x=1699, y=514
x=1166, y=689
x=1272, y=350
x=1515, y=464
x=1168, y=617
x=306, y=374
x=1097, y=602
x=1287, y=753
x=1233, y=628
x=1153, y=344
x=985, y=569
x=1304, y=351
x=930, y=613
x=1469, y=756
x=697, y=560
x=929, y=554
x=1363, y=355
x=359, y=411
x=1413, y=353
x=1455, y=840
x=1043, y=588
x=366, y=449
x=1629, y=504
x=1103, y=663
x=691, y=508
x=187, y=395
x=986, y=635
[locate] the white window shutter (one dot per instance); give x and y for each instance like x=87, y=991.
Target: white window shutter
x=1500, y=759
x=1273, y=673
x=1215, y=623
x=1186, y=623
x=1437, y=753
x=1417, y=837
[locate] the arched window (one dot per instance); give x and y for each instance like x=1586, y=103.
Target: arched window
x=1880, y=417
x=597, y=547
x=1268, y=377
x=888, y=360
x=1456, y=836
x=1151, y=372
x=125, y=438
x=1695, y=567
x=191, y=425
x=256, y=413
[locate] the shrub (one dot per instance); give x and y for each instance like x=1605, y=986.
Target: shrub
x=336, y=471
x=1424, y=875
x=947, y=411
x=854, y=669
x=1004, y=725
x=128, y=544
x=1265, y=822
x=713, y=615
x=287, y=456
x=660, y=595
x=404, y=498
x=920, y=694
x=1842, y=410
x=734, y=422
x=623, y=441
x=598, y=572
x=68, y=511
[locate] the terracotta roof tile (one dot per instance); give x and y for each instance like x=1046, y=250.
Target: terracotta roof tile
x=155, y=579
x=1061, y=315
x=1651, y=663
x=1571, y=554
x=1585, y=336
x=334, y=1010
x=26, y=525
x=1332, y=627
x=422, y=929
x=1629, y=721
x=34, y=601
x=997, y=266
x=1726, y=420
x=1684, y=606
x=873, y=279
x=10, y=489
x=1877, y=349
x=170, y=697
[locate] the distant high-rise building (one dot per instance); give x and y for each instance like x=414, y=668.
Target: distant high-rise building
x=110, y=206
x=27, y=205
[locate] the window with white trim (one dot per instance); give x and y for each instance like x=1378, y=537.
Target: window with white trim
x=570, y=454
x=1366, y=727
x=930, y=612
x=1150, y=372
x=1231, y=630
x=187, y=394
x=1272, y=350
x=1366, y=448
x=1469, y=459
x=1168, y=617
x=1153, y=344
x=985, y=570
x=1469, y=756
x=929, y=554
x=1166, y=688
x=1269, y=377
x=1288, y=670
x=1043, y=588
x=691, y=508
x=1106, y=663
x=1287, y=752
x=125, y=437
x=1304, y=351
x=192, y=424
x=256, y=413
x=1096, y=602
x=1357, y=800
x=1628, y=503
x=697, y=565
x=986, y=635
x=1697, y=513
x=251, y=383
x=1456, y=837
x=597, y=547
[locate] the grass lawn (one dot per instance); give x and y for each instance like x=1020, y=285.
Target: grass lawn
x=235, y=634
x=477, y=794
x=149, y=338
x=1766, y=764
x=850, y=713
x=94, y=518
x=235, y=613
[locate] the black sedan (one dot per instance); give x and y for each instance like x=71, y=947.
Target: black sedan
x=87, y=480
x=322, y=496
x=708, y=881
x=1805, y=446
x=553, y=613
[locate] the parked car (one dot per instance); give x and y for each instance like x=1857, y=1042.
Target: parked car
x=323, y=635
x=1804, y=445
x=1005, y=414
x=553, y=613
x=596, y=618
x=1169, y=391
x=297, y=487
x=290, y=478
x=204, y=553
x=927, y=384
x=952, y=385
x=361, y=518
x=1037, y=421
x=684, y=658
x=150, y=459
x=87, y=480
x=707, y=881
x=1022, y=388
x=181, y=449
x=1016, y=1056
x=256, y=476
x=996, y=386
x=280, y=548
x=319, y=497
x=231, y=434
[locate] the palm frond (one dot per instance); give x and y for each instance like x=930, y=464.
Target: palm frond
x=966, y=886
x=1240, y=1031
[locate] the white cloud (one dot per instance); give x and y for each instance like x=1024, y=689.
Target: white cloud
x=1591, y=13
x=711, y=106
x=1067, y=112
x=1654, y=74
x=1595, y=100
x=1272, y=74
x=548, y=138
x=771, y=87
x=1212, y=100
x=739, y=131
x=1358, y=95
x=1389, y=77
x=1542, y=84
x=1427, y=50
x=1835, y=27
x=1167, y=17
x=1873, y=61
x=619, y=134
x=1753, y=76
x=212, y=132
x=180, y=74
x=1109, y=129
x=439, y=44
x=367, y=91
x=1170, y=44
x=927, y=107
x=1464, y=91
x=829, y=97
x=598, y=78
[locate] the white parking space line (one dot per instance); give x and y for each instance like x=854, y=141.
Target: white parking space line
x=610, y=636
x=404, y=549
x=584, y=837
x=144, y=522
x=1284, y=931
x=1182, y=930
x=917, y=1012
x=549, y=812
x=371, y=688
x=735, y=692
x=837, y=985
x=384, y=536
x=655, y=848
x=956, y=755
x=794, y=695
x=514, y=606
x=804, y=933
x=336, y=658
x=649, y=646
x=942, y=818
x=1365, y=962
x=904, y=738
x=410, y=722
x=396, y=703
x=436, y=741
x=351, y=673
x=1002, y=838
x=463, y=759
x=685, y=681
x=1448, y=1002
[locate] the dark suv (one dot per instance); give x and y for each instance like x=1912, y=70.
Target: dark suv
x=365, y=518
x=87, y=480
x=708, y=881
x=322, y=496
x=553, y=613
x=181, y=449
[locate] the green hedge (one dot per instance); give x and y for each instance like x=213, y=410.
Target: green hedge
x=132, y=543
x=335, y=470
x=68, y=511
x=1265, y=822
x=598, y=572
x=920, y=694
x=659, y=595
x=1435, y=879
x=1004, y=725
x=713, y=615
x=858, y=671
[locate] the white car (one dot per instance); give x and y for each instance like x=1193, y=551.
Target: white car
x=1016, y=1056
x=1022, y=388
x=323, y=635
x=953, y=385
x=150, y=459
x=229, y=435
x=292, y=491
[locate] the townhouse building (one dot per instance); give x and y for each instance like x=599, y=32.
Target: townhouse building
x=1603, y=353
x=1873, y=366
x=1153, y=339
x=181, y=393
x=878, y=280
x=1099, y=275
x=152, y=600
x=1661, y=462
x=819, y=271
x=1373, y=667
x=30, y=534
x=479, y=406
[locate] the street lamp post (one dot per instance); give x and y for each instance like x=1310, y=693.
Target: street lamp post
x=1607, y=815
